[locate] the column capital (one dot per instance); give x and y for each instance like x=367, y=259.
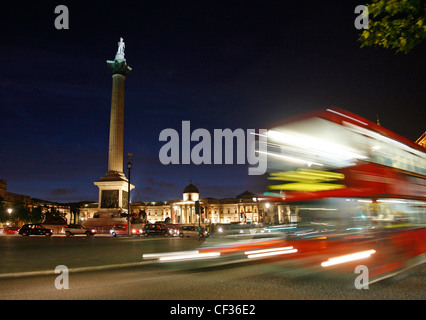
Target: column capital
x=119, y=66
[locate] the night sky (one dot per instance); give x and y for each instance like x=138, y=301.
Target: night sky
x=218, y=64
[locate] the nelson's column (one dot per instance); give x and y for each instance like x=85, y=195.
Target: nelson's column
x=113, y=187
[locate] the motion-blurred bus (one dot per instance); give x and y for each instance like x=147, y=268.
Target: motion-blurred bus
x=349, y=179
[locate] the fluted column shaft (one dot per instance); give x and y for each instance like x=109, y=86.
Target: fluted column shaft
x=116, y=132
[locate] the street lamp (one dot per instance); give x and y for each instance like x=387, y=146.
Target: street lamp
x=10, y=214
x=129, y=166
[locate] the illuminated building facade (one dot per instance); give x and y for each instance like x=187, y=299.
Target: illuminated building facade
x=244, y=208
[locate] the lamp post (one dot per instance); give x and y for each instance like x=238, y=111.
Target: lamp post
x=129, y=166
x=10, y=215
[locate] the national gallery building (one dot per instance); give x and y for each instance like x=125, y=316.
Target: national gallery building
x=244, y=208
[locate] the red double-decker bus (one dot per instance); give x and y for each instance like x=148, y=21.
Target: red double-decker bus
x=355, y=179
x=372, y=161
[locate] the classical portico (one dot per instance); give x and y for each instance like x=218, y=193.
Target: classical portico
x=184, y=211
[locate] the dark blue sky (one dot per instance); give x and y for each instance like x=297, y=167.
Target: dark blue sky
x=219, y=64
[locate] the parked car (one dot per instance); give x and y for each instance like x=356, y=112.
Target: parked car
x=192, y=231
x=172, y=230
x=11, y=230
x=121, y=230
x=155, y=229
x=73, y=229
x=34, y=229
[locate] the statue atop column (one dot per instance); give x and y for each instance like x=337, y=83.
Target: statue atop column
x=120, y=51
x=119, y=64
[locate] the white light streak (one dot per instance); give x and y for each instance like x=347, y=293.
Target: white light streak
x=269, y=252
x=344, y=115
x=195, y=256
x=291, y=159
x=167, y=254
x=348, y=258
x=391, y=201
x=320, y=147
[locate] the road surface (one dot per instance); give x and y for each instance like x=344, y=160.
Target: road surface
x=112, y=268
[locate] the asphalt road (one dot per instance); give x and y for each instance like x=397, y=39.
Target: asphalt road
x=38, y=253
x=112, y=268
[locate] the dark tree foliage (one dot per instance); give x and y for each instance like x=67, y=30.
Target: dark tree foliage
x=395, y=24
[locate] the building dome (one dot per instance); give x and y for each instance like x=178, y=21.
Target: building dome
x=246, y=195
x=191, y=188
x=191, y=193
